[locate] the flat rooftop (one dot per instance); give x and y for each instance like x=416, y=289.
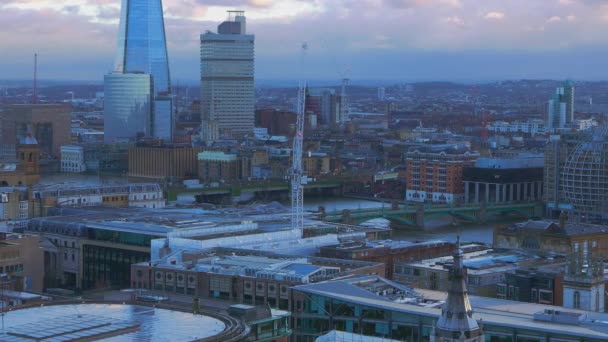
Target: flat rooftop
x=484, y=261
x=495, y=312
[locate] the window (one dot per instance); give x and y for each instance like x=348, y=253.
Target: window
x=576, y=300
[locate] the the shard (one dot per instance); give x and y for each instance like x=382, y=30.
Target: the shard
x=138, y=92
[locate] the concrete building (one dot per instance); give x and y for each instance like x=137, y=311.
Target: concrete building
x=227, y=76
x=14, y=204
x=485, y=269
x=22, y=259
x=136, y=195
x=49, y=124
x=503, y=180
x=94, y=247
x=435, y=173
x=543, y=285
x=387, y=251
x=531, y=127
x=241, y=276
x=72, y=159
x=373, y=306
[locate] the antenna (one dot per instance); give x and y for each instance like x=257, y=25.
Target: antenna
x=35, y=91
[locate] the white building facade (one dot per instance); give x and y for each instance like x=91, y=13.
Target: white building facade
x=72, y=159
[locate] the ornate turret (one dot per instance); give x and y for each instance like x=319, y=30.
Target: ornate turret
x=456, y=322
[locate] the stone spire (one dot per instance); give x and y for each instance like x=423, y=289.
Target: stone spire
x=456, y=322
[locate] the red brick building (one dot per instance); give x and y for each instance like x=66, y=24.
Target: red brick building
x=388, y=251
x=434, y=173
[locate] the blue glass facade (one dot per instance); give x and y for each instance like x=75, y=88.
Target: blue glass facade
x=141, y=42
x=127, y=106
x=142, y=51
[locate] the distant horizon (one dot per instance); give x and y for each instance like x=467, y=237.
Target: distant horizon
x=294, y=82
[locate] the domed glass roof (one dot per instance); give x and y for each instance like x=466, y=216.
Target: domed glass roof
x=585, y=177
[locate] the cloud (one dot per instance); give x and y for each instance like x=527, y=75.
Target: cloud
x=455, y=20
x=338, y=31
x=494, y=15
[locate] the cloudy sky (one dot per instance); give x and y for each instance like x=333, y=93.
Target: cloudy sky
x=409, y=40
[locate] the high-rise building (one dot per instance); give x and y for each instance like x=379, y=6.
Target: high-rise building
x=227, y=76
x=138, y=91
x=325, y=104
x=560, y=109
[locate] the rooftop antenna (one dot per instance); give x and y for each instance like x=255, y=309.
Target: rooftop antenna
x=35, y=91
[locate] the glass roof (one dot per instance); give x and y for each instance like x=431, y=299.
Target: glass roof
x=88, y=319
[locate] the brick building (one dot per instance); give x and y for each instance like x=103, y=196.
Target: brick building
x=215, y=166
x=388, y=252
x=553, y=237
x=50, y=124
x=277, y=122
x=435, y=173
x=164, y=162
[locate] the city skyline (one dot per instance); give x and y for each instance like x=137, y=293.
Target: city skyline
x=459, y=40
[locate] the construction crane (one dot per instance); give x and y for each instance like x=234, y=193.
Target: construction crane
x=35, y=87
x=297, y=174
x=343, y=101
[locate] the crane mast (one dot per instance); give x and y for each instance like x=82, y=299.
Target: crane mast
x=297, y=174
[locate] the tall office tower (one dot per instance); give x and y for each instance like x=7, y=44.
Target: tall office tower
x=227, y=77
x=324, y=103
x=138, y=92
x=560, y=109
x=381, y=93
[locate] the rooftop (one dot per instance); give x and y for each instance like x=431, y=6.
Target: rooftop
x=257, y=264
x=483, y=262
x=492, y=311
x=553, y=227
x=125, y=322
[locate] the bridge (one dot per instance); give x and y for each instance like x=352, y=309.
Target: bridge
x=419, y=214
x=235, y=190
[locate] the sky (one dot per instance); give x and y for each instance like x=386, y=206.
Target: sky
x=396, y=40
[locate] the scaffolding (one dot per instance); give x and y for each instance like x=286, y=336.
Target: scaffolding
x=585, y=178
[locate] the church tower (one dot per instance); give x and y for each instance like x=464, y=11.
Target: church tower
x=456, y=323
x=584, y=280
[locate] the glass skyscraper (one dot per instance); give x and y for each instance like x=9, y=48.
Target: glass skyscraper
x=142, y=50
